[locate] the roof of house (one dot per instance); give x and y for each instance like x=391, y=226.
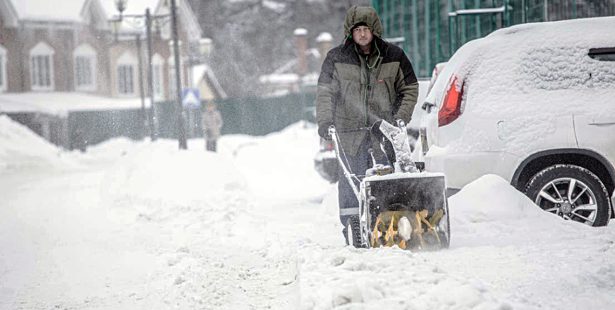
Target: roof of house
x=60, y=103
x=203, y=71
x=66, y=11
x=186, y=15
x=287, y=73
x=78, y=11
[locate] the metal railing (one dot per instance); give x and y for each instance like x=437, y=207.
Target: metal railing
x=431, y=31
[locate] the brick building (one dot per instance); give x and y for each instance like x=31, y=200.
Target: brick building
x=75, y=46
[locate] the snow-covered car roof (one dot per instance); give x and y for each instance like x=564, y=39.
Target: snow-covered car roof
x=531, y=65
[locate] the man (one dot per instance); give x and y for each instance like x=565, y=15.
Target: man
x=362, y=81
x=211, y=120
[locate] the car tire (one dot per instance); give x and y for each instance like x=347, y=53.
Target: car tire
x=571, y=192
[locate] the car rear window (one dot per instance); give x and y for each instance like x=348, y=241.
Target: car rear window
x=554, y=68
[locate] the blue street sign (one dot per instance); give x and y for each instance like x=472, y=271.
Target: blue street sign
x=191, y=98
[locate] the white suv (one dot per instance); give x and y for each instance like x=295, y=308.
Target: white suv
x=534, y=104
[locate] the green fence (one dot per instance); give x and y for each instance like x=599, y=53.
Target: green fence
x=252, y=115
x=431, y=31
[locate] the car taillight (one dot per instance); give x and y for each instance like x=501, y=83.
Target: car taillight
x=451, y=107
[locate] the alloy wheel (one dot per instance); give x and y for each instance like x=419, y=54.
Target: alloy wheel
x=570, y=199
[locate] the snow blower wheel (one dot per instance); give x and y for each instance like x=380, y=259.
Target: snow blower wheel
x=353, y=232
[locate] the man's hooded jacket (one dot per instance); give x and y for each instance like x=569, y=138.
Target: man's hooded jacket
x=356, y=90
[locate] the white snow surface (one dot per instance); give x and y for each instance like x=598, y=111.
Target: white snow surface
x=142, y=225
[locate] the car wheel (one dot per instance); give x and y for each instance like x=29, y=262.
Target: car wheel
x=572, y=192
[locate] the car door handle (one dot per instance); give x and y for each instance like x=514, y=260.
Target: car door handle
x=602, y=124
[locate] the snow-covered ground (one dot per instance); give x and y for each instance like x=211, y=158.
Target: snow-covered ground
x=141, y=225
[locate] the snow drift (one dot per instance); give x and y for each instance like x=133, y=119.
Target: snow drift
x=20, y=148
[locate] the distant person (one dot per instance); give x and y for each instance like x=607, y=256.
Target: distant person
x=212, y=124
x=362, y=81
x=79, y=140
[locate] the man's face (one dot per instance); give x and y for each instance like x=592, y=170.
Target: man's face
x=362, y=35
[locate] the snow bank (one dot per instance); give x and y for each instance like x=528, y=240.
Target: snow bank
x=385, y=278
x=280, y=164
x=21, y=148
x=491, y=208
x=192, y=236
x=157, y=172
x=503, y=247
x=491, y=199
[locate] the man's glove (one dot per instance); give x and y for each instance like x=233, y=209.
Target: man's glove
x=323, y=130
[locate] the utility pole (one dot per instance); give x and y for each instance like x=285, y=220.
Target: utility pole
x=181, y=130
x=141, y=88
x=150, y=79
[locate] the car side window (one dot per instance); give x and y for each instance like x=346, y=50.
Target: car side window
x=602, y=54
x=568, y=67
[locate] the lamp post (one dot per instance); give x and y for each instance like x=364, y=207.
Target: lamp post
x=149, y=18
x=153, y=116
x=183, y=145
x=141, y=87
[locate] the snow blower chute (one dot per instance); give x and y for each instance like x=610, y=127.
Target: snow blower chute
x=398, y=205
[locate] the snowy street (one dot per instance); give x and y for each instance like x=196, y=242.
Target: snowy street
x=141, y=225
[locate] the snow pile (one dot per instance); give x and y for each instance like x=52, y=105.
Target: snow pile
x=144, y=225
x=280, y=164
x=209, y=233
x=385, y=278
x=21, y=148
x=491, y=204
x=489, y=199
x=395, y=279
x=158, y=172
x=501, y=246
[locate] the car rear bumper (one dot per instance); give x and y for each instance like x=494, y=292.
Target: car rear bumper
x=463, y=168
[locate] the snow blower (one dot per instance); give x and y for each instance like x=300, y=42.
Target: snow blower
x=398, y=205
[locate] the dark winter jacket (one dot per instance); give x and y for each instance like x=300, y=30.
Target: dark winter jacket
x=352, y=95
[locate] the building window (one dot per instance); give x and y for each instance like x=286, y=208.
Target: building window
x=126, y=70
x=157, y=74
x=125, y=83
x=85, y=68
x=41, y=67
x=172, y=83
x=3, y=81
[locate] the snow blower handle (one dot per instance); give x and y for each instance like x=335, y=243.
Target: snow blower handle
x=339, y=153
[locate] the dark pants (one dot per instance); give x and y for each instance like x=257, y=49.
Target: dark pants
x=211, y=145
x=348, y=202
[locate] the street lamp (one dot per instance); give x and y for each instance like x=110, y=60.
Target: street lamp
x=120, y=5
x=149, y=18
x=183, y=145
